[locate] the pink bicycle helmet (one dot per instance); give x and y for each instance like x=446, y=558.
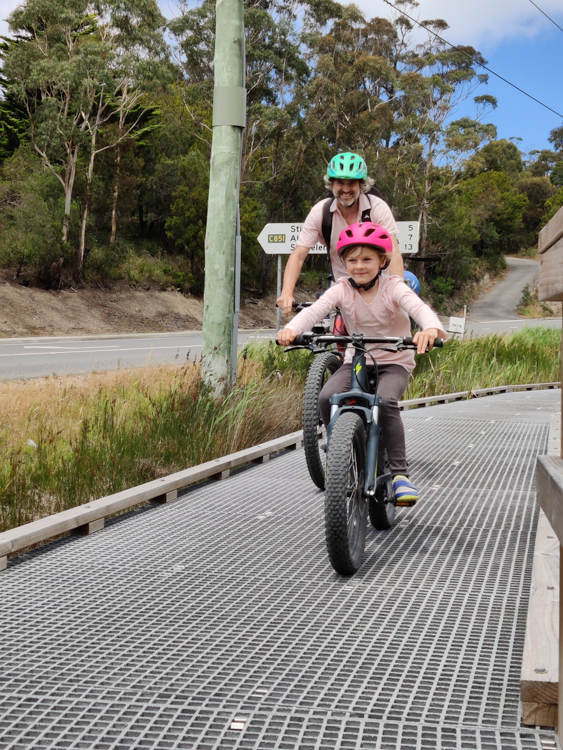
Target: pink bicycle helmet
x=366, y=233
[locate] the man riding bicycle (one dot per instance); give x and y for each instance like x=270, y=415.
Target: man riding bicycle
x=347, y=179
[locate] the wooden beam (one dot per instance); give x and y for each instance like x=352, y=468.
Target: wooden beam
x=560, y=692
x=551, y=233
x=549, y=478
x=540, y=662
x=91, y=527
x=166, y=497
x=550, y=286
x=539, y=715
x=67, y=520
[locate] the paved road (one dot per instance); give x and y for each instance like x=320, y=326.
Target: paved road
x=495, y=312
x=484, y=327
x=161, y=630
x=501, y=302
x=39, y=357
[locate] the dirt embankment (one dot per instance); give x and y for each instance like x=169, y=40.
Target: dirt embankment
x=29, y=311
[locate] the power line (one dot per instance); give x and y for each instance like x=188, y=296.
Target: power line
x=545, y=14
x=463, y=52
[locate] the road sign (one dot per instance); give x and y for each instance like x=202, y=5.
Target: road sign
x=281, y=239
x=408, y=236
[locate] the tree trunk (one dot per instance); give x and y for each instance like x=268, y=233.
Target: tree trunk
x=82, y=246
x=68, y=188
x=117, y=172
x=114, y=199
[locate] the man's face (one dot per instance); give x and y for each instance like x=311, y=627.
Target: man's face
x=346, y=192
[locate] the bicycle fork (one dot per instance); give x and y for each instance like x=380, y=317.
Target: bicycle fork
x=372, y=481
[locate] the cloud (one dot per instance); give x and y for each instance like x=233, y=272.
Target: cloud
x=481, y=23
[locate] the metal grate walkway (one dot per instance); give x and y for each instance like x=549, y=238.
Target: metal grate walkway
x=217, y=622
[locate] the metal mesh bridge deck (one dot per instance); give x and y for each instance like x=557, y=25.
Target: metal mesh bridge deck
x=216, y=621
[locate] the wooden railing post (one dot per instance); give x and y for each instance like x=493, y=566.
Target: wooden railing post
x=550, y=474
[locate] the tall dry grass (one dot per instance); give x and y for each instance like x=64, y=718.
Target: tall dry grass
x=69, y=440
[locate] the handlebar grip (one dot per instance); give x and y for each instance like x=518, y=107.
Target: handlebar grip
x=299, y=340
x=409, y=342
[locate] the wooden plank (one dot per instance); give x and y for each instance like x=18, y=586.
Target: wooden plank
x=429, y=400
x=221, y=475
x=261, y=460
x=554, y=439
x=550, y=287
x=539, y=715
x=68, y=520
x=91, y=527
x=166, y=497
x=551, y=233
x=549, y=478
x=559, y=722
x=540, y=661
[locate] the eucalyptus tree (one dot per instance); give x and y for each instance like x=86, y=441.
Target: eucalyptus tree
x=78, y=66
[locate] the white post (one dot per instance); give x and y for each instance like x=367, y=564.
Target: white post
x=238, y=252
x=278, y=311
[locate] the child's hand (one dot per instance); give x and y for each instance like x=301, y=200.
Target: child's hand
x=286, y=336
x=425, y=339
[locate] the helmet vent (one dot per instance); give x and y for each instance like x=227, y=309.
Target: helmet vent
x=349, y=233
x=369, y=230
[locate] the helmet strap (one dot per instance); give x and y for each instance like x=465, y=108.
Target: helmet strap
x=367, y=286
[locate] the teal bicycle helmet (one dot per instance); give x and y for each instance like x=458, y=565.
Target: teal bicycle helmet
x=347, y=166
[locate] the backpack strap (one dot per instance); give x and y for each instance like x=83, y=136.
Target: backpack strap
x=327, y=224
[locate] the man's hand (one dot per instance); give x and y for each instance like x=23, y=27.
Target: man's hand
x=286, y=336
x=425, y=339
x=285, y=303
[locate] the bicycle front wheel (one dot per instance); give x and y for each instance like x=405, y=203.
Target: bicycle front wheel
x=314, y=433
x=345, y=504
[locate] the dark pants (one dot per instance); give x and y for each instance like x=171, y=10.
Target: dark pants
x=393, y=380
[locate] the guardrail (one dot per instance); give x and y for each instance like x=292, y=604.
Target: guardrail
x=90, y=517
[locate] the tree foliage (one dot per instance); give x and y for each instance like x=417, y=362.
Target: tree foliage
x=109, y=119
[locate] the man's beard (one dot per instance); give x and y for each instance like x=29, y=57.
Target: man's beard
x=346, y=202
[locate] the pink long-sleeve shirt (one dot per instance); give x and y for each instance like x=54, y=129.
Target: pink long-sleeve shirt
x=312, y=231
x=386, y=315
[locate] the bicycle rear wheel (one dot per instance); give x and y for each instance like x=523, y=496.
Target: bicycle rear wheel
x=345, y=505
x=314, y=432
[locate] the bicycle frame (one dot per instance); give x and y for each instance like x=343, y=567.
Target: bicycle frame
x=367, y=406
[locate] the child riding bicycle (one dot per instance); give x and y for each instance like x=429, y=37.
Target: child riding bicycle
x=374, y=305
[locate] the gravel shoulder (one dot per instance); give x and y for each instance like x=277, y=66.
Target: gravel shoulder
x=29, y=311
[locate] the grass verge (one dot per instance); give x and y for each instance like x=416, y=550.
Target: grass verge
x=66, y=441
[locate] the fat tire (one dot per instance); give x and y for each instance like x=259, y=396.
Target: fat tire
x=345, y=504
x=323, y=364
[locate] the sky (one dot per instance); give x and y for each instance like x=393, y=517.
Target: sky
x=517, y=40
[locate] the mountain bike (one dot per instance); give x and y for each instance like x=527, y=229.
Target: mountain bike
x=357, y=478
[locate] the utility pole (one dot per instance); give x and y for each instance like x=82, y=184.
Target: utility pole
x=229, y=119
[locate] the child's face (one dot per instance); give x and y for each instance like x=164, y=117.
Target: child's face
x=363, y=264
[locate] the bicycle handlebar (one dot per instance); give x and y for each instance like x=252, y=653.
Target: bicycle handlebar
x=304, y=339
